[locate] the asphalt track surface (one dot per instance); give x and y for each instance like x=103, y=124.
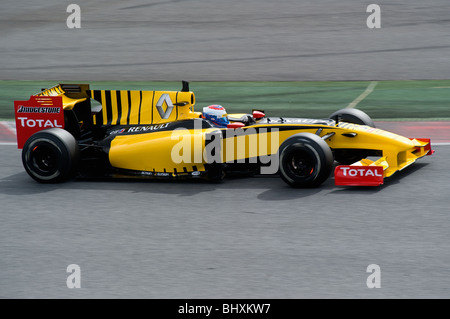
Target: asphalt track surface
x=243, y=238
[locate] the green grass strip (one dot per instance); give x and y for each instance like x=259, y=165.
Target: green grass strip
x=390, y=100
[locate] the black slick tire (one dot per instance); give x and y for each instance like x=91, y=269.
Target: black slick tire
x=305, y=159
x=51, y=156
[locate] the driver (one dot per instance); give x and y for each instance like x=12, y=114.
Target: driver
x=216, y=114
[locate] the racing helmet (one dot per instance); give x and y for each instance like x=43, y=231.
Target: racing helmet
x=216, y=114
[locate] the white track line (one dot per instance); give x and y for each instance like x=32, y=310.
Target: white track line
x=363, y=95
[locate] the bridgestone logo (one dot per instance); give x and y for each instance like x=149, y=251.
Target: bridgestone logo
x=26, y=109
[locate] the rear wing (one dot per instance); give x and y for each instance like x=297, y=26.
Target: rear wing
x=36, y=114
x=70, y=106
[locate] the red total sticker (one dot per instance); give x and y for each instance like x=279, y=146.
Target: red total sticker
x=352, y=175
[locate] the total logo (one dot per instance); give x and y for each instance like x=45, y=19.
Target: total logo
x=360, y=172
x=27, y=122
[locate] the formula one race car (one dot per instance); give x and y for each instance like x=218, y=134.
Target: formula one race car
x=70, y=130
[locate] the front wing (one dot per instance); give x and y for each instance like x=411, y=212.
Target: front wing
x=368, y=172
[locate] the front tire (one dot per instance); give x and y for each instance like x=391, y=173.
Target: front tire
x=51, y=156
x=354, y=116
x=306, y=160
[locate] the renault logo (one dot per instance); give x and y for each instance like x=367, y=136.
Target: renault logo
x=159, y=106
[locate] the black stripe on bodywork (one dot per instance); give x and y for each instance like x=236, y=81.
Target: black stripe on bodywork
x=98, y=96
x=153, y=101
x=119, y=107
x=140, y=104
x=129, y=107
x=108, y=107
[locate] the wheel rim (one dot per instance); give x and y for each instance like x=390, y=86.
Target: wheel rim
x=301, y=163
x=44, y=159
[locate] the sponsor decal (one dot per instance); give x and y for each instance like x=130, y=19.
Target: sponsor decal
x=159, y=106
x=147, y=128
x=361, y=172
x=163, y=174
x=136, y=129
x=147, y=173
x=159, y=174
x=28, y=109
x=27, y=122
x=348, y=175
x=117, y=131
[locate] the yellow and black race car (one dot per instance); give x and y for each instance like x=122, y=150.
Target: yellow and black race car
x=70, y=130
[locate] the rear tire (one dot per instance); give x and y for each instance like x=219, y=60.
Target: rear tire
x=355, y=116
x=306, y=160
x=51, y=156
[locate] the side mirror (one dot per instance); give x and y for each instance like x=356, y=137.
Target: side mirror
x=258, y=115
x=235, y=125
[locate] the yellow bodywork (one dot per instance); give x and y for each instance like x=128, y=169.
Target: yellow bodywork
x=68, y=102
x=153, y=151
